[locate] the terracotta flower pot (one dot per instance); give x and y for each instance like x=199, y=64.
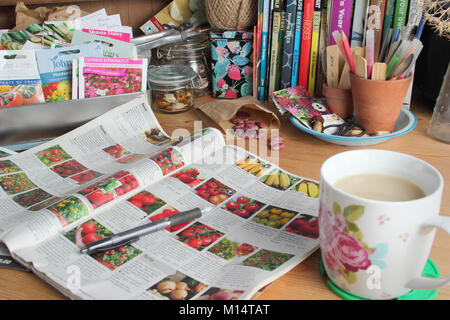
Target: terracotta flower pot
x=377, y=104
x=339, y=101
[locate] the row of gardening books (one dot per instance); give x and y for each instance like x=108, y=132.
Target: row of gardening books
x=291, y=36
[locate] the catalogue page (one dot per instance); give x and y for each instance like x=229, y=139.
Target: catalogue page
x=57, y=183
x=254, y=234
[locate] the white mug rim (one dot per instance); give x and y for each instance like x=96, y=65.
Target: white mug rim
x=372, y=201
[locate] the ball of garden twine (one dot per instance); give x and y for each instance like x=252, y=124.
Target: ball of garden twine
x=231, y=14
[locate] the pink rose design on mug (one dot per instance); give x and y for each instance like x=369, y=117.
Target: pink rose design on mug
x=341, y=242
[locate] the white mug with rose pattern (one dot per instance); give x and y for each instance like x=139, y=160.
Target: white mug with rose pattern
x=378, y=249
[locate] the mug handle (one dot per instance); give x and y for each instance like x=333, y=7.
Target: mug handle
x=425, y=283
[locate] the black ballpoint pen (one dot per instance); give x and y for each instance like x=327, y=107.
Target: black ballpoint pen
x=134, y=234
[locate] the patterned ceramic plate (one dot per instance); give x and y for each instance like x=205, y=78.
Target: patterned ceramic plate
x=406, y=122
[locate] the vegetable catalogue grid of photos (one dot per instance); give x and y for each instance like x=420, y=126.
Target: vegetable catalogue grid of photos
x=91, y=231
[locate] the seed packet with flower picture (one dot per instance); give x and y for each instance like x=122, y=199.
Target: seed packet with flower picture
x=111, y=76
x=55, y=67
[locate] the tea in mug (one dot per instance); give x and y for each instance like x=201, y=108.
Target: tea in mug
x=380, y=187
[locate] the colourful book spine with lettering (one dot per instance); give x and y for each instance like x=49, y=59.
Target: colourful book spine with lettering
x=280, y=44
x=264, y=50
x=400, y=14
x=388, y=16
x=359, y=23
x=375, y=23
x=288, y=45
x=303, y=71
x=297, y=43
x=323, y=40
x=341, y=17
x=257, y=52
x=415, y=12
x=314, y=46
x=274, y=50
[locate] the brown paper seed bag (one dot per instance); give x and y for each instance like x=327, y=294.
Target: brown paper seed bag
x=222, y=111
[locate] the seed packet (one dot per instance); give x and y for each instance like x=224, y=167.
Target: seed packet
x=19, y=78
x=117, y=35
x=311, y=112
x=75, y=79
x=55, y=67
x=111, y=47
x=111, y=76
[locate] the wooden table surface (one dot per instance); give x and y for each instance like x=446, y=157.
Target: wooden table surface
x=303, y=155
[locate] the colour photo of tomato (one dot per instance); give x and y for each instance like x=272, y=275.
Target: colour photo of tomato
x=116, y=151
x=168, y=160
x=242, y=206
x=199, y=236
x=16, y=183
x=53, y=155
x=7, y=166
x=68, y=168
x=86, y=176
x=44, y=204
x=146, y=201
x=228, y=249
x=167, y=212
x=304, y=225
x=109, y=188
x=214, y=191
x=190, y=176
x=267, y=260
x=69, y=210
x=91, y=231
x=176, y=286
x=32, y=197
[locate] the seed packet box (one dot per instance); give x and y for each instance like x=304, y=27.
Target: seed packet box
x=55, y=68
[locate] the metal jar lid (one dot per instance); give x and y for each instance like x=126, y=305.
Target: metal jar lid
x=191, y=46
x=175, y=76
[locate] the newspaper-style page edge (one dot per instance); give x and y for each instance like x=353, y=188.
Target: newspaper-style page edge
x=27, y=229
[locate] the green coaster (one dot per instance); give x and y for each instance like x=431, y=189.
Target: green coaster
x=430, y=270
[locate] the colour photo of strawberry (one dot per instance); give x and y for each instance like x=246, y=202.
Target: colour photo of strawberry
x=168, y=160
x=214, y=191
x=242, y=206
x=199, y=236
x=190, y=176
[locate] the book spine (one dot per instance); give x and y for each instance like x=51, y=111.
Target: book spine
x=255, y=41
x=314, y=46
x=264, y=50
x=359, y=21
x=257, y=51
x=388, y=16
x=401, y=11
x=276, y=26
x=269, y=47
x=297, y=43
x=280, y=44
x=288, y=45
x=375, y=22
x=341, y=17
x=303, y=71
x=323, y=40
x=415, y=12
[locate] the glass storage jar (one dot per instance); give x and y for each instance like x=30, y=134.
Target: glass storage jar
x=194, y=52
x=172, y=87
